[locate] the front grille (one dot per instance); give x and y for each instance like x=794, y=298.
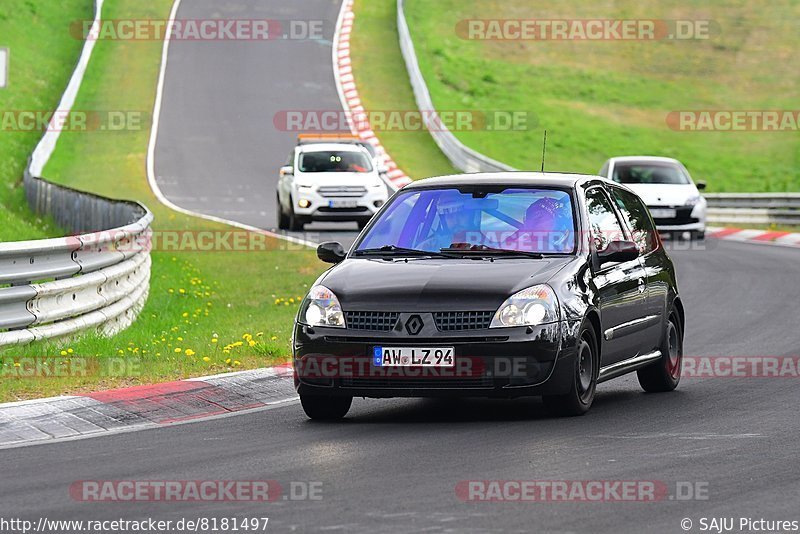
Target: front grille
x=683, y=215
x=469, y=320
x=418, y=383
x=375, y=321
x=341, y=191
x=357, y=209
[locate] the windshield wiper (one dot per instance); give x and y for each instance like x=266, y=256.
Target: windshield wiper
x=483, y=250
x=395, y=250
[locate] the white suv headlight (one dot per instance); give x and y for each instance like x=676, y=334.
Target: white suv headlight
x=693, y=200
x=323, y=308
x=530, y=307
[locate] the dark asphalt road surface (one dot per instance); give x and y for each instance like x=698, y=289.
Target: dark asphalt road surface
x=392, y=465
x=218, y=150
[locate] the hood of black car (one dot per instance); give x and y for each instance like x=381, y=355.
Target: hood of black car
x=450, y=284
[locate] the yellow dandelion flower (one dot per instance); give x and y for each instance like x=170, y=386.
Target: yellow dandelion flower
x=206, y=359
x=236, y=363
x=214, y=340
x=178, y=349
x=190, y=352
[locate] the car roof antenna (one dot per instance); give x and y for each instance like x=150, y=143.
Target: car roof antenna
x=544, y=147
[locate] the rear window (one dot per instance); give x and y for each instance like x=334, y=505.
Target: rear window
x=334, y=162
x=649, y=173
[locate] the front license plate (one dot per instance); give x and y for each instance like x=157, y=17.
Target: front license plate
x=413, y=356
x=663, y=213
x=342, y=203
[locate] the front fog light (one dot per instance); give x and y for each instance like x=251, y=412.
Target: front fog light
x=322, y=308
x=304, y=203
x=530, y=307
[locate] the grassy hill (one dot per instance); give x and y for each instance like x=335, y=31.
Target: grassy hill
x=607, y=98
x=42, y=57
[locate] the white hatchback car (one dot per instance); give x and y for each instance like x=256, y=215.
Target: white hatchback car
x=667, y=188
x=329, y=182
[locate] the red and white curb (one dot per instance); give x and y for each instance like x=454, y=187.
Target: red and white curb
x=348, y=93
x=141, y=407
x=764, y=237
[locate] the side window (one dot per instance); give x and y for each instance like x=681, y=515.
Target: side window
x=603, y=223
x=290, y=159
x=637, y=218
x=604, y=170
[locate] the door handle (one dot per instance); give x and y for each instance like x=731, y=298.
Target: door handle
x=641, y=285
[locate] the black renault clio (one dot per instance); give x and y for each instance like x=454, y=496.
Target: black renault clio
x=492, y=285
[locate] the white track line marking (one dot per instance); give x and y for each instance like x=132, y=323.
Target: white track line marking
x=151, y=148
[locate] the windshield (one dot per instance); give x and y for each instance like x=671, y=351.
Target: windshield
x=649, y=173
x=335, y=162
x=525, y=220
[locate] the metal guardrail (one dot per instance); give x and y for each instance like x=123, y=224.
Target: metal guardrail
x=754, y=208
x=92, y=280
x=461, y=156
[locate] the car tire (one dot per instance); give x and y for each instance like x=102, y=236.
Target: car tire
x=665, y=374
x=283, y=220
x=295, y=223
x=584, y=383
x=325, y=408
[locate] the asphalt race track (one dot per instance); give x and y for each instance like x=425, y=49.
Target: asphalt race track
x=218, y=151
x=393, y=465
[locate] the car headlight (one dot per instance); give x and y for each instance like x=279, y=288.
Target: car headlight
x=693, y=200
x=322, y=308
x=530, y=307
x=304, y=188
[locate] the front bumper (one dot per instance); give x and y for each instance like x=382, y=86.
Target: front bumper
x=338, y=208
x=687, y=218
x=503, y=362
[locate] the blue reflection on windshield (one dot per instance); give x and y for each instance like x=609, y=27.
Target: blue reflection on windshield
x=528, y=220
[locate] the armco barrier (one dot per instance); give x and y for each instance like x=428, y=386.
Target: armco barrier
x=461, y=156
x=754, y=208
x=94, y=280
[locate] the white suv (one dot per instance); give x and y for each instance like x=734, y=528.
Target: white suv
x=329, y=182
x=668, y=190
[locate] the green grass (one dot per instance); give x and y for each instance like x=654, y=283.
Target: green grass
x=42, y=57
x=383, y=85
x=603, y=99
x=193, y=296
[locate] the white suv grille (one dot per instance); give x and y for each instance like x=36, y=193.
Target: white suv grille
x=340, y=191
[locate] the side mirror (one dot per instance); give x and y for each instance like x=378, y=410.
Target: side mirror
x=382, y=169
x=619, y=251
x=701, y=184
x=287, y=170
x=331, y=252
